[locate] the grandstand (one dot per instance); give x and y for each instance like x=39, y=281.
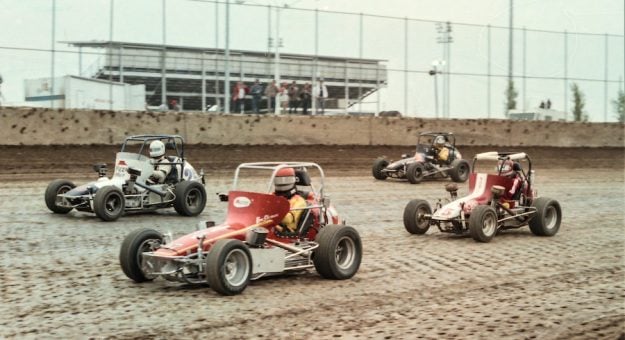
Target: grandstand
x=177, y=72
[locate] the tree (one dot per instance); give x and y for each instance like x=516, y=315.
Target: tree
x=511, y=95
x=619, y=106
x=579, y=102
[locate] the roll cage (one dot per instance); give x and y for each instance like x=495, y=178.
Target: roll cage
x=497, y=156
x=426, y=140
x=172, y=142
x=300, y=168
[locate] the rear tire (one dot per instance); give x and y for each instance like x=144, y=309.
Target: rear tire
x=228, y=267
x=109, y=203
x=340, y=252
x=414, y=221
x=190, y=198
x=136, y=243
x=55, y=188
x=483, y=223
x=546, y=221
x=414, y=172
x=459, y=171
x=379, y=165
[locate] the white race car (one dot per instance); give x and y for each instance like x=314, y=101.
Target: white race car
x=130, y=187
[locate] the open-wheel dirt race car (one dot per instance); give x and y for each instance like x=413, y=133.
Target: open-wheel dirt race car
x=436, y=157
x=286, y=226
x=501, y=199
x=146, y=178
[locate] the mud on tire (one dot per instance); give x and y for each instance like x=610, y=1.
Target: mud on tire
x=109, y=203
x=376, y=170
x=414, y=220
x=137, y=242
x=56, y=187
x=546, y=221
x=228, y=267
x=415, y=172
x=340, y=252
x=190, y=198
x=459, y=171
x=483, y=223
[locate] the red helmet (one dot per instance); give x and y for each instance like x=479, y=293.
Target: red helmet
x=505, y=168
x=285, y=179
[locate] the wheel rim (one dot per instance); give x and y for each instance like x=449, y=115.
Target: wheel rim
x=551, y=217
x=236, y=267
x=462, y=171
x=193, y=198
x=489, y=224
x=345, y=252
x=146, y=246
x=113, y=203
x=422, y=222
x=418, y=173
x=63, y=189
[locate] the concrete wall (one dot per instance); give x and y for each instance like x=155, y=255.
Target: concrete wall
x=32, y=126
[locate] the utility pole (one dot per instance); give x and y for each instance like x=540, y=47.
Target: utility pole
x=227, y=66
x=444, y=31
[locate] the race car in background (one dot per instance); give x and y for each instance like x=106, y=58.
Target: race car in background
x=130, y=189
x=436, y=157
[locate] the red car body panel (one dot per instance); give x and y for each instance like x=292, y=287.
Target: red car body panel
x=246, y=210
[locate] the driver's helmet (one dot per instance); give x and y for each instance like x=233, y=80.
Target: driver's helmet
x=439, y=142
x=505, y=168
x=284, y=180
x=157, y=149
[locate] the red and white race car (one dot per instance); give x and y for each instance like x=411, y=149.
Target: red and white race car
x=251, y=243
x=499, y=200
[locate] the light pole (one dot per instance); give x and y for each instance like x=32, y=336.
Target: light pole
x=445, y=38
x=278, y=44
x=436, y=64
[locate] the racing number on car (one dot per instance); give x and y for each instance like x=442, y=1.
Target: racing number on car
x=121, y=168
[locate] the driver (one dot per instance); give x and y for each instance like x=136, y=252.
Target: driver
x=162, y=168
x=284, y=184
x=441, y=151
x=506, y=168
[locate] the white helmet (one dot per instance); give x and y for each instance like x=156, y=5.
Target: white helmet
x=157, y=149
x=439, y=141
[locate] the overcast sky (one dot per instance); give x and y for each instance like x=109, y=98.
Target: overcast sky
x=27, y=24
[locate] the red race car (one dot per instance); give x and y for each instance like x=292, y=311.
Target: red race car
x=501, y=199
x=289, y=226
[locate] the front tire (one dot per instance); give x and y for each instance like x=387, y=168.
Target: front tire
x=109, y=203
x=415, y=172
x=340, y=252
x=379, y=165
x=546, y=221
x=130, y=254
x=483, y=223
x=55, y=188
x=190, y=198
x=415, y=221
x=228, y=267
x=459, y=171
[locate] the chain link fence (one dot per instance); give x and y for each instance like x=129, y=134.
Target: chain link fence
x=433, y=69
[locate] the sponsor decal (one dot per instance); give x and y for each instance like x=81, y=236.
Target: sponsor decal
x=241, y=202
x=265, y=218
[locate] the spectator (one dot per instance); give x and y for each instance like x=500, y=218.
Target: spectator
x=284, y=97
x=175, y=106
x=305, y=97
x=542, y=105
x=548, y=105
x=238, y=97
x=257, y=92
x=321, y=94
x=271, y=91
x=293, y=97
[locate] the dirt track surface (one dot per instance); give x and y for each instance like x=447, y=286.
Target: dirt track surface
x=61, y=278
